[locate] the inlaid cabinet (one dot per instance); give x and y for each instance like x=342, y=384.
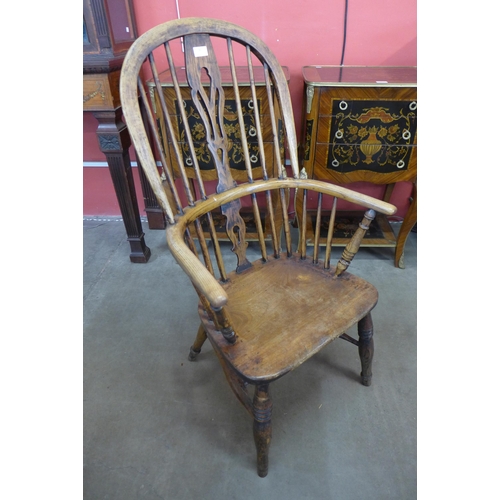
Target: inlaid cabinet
x=360, y=124
x=232, y=129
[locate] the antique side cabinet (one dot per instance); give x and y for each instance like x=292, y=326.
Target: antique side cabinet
x=203, y=156
x=360, y=124
x=108, y=32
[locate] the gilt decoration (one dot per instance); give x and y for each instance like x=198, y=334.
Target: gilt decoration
x=374, y=136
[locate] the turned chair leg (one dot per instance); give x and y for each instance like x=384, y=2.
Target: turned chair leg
x=195, y=349
x=366, y=348
x=262, y=429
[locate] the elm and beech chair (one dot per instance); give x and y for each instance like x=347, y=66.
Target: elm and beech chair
x=264, y=318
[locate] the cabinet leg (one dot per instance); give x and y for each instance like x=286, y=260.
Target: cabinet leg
x=407, y=225
x=114, y=142
x=156, y=216
x=154, y=213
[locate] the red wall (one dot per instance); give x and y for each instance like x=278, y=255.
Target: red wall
x=300, y=33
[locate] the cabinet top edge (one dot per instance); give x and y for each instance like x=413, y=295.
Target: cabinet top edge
x=360, y=76
x=241, y=74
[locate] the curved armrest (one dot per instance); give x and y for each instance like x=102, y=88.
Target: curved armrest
x=197, y=272
x=202, y=279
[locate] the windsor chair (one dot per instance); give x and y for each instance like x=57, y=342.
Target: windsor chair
x=264, y=318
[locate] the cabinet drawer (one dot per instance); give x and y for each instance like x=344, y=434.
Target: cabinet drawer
x=230, y=122
x=100, y=91
x=229, y=100
x=232, y=129
x=369, y=122
x=346, y=158
x=236, y=161
x=367, y=135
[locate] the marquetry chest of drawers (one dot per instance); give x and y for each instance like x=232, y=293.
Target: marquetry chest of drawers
x=203, y=155
x=360, y=124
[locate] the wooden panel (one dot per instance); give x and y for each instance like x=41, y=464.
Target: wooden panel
x=245, y=95
x=323, y=168
x=395, y=123
x=206, y=165
x=205, y=160
x=242, y=75
x=369, y=76
x=100, y=91
x=329, y=94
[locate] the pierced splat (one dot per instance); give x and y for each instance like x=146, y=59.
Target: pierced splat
x=209, y=102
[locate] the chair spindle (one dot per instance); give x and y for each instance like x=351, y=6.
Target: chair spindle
x=317, y=229
x=353, y=246
x=270, y=214
x=258, y=223
x=241, y=123
x=303, y=246
x=258, y=128
x=168, y=122
x=146, y=109
x=286, y=225
x=224, y=322
x=329, y=237
x=272, y=115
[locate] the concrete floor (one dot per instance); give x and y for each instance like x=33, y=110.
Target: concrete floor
x=159, y=427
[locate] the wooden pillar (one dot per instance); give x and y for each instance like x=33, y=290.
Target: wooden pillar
x=114, y=142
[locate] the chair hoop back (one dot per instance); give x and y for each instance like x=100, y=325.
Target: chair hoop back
x=201, y=65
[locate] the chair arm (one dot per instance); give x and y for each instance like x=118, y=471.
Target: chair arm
x=200, y=276
x=216, y=200
x=202, y=279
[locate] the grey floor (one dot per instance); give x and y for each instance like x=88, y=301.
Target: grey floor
x=159, y=427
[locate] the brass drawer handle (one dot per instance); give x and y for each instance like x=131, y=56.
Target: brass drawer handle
x=343, y=105
x=413, y=105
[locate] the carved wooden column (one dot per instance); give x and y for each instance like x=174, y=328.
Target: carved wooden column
x=114, y=142
x=101, y=97
x=154, y=213
x=108, y=31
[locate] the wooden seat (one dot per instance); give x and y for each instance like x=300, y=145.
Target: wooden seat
x=275, y=332
x=263, y=318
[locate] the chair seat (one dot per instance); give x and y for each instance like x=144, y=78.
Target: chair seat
x=283, y=312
